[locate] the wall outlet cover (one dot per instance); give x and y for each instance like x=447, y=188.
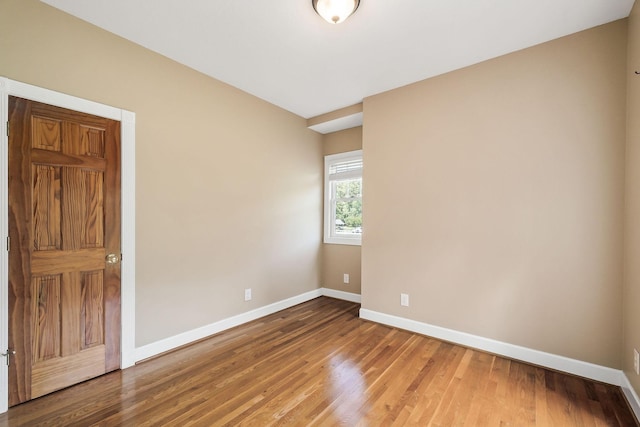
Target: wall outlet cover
x=346, y=278
x=247, y=294
x=404, y=300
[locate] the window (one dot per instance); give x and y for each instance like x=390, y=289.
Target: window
x=343, y=198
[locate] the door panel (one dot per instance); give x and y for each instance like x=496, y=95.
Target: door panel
x=64, y=218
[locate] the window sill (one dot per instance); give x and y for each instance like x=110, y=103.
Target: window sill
x=342, y=241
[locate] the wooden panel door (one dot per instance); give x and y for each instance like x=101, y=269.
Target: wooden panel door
x=64, y=221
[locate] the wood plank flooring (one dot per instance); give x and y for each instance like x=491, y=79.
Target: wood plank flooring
x=318, y=364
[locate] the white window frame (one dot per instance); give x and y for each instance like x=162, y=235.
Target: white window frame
x=330, y=235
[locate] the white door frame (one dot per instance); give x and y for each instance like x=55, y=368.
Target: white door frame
x=127, y=121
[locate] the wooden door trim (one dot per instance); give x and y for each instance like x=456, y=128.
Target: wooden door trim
x=127, y=125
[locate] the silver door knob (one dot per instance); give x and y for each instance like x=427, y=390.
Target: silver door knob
x=113, y=259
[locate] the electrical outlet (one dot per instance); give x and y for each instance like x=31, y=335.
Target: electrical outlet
x=636, y=361
x=247, y=294
x=404, y=300
x=346, y=278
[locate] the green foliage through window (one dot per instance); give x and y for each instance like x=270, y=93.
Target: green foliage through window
x=348, y=205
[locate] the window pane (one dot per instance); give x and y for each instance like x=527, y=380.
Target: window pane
x=349, y=217
x=349, y=188
x=355, y=188
x=342, y=189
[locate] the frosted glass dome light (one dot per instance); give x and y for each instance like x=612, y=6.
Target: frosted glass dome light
x=335, y=11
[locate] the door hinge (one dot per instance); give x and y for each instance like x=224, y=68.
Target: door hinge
x=8, y=243
x=7, y=128
x=8, y=355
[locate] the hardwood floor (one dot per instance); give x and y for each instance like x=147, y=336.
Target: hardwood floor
x=319, y=364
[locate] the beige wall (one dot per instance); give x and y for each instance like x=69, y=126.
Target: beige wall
x=342, y=141
x=229, y=191
x=494, y=197
x=493, y=194
x=631, y=298
x=340, y=259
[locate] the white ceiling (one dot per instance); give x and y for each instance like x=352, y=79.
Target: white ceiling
x=282, y=52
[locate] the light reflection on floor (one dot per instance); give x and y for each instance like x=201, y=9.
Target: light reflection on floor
x=347, y=390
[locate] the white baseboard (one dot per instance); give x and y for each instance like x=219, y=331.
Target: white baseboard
x=631, y=395
x=167, y=344
x=347, y=296
x=535, y=357
x=184, y=338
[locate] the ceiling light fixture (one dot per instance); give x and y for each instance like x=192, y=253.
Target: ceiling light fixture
x=335, y=11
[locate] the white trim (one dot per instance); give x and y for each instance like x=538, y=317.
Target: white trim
x=128, y=240
x=347, y=296
x=341, y=123
x=171, y=343
x=185, y=338
x=35, y=93
x=10, y=87
x=4, y=233
x=535, y=357
x=631, y=395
